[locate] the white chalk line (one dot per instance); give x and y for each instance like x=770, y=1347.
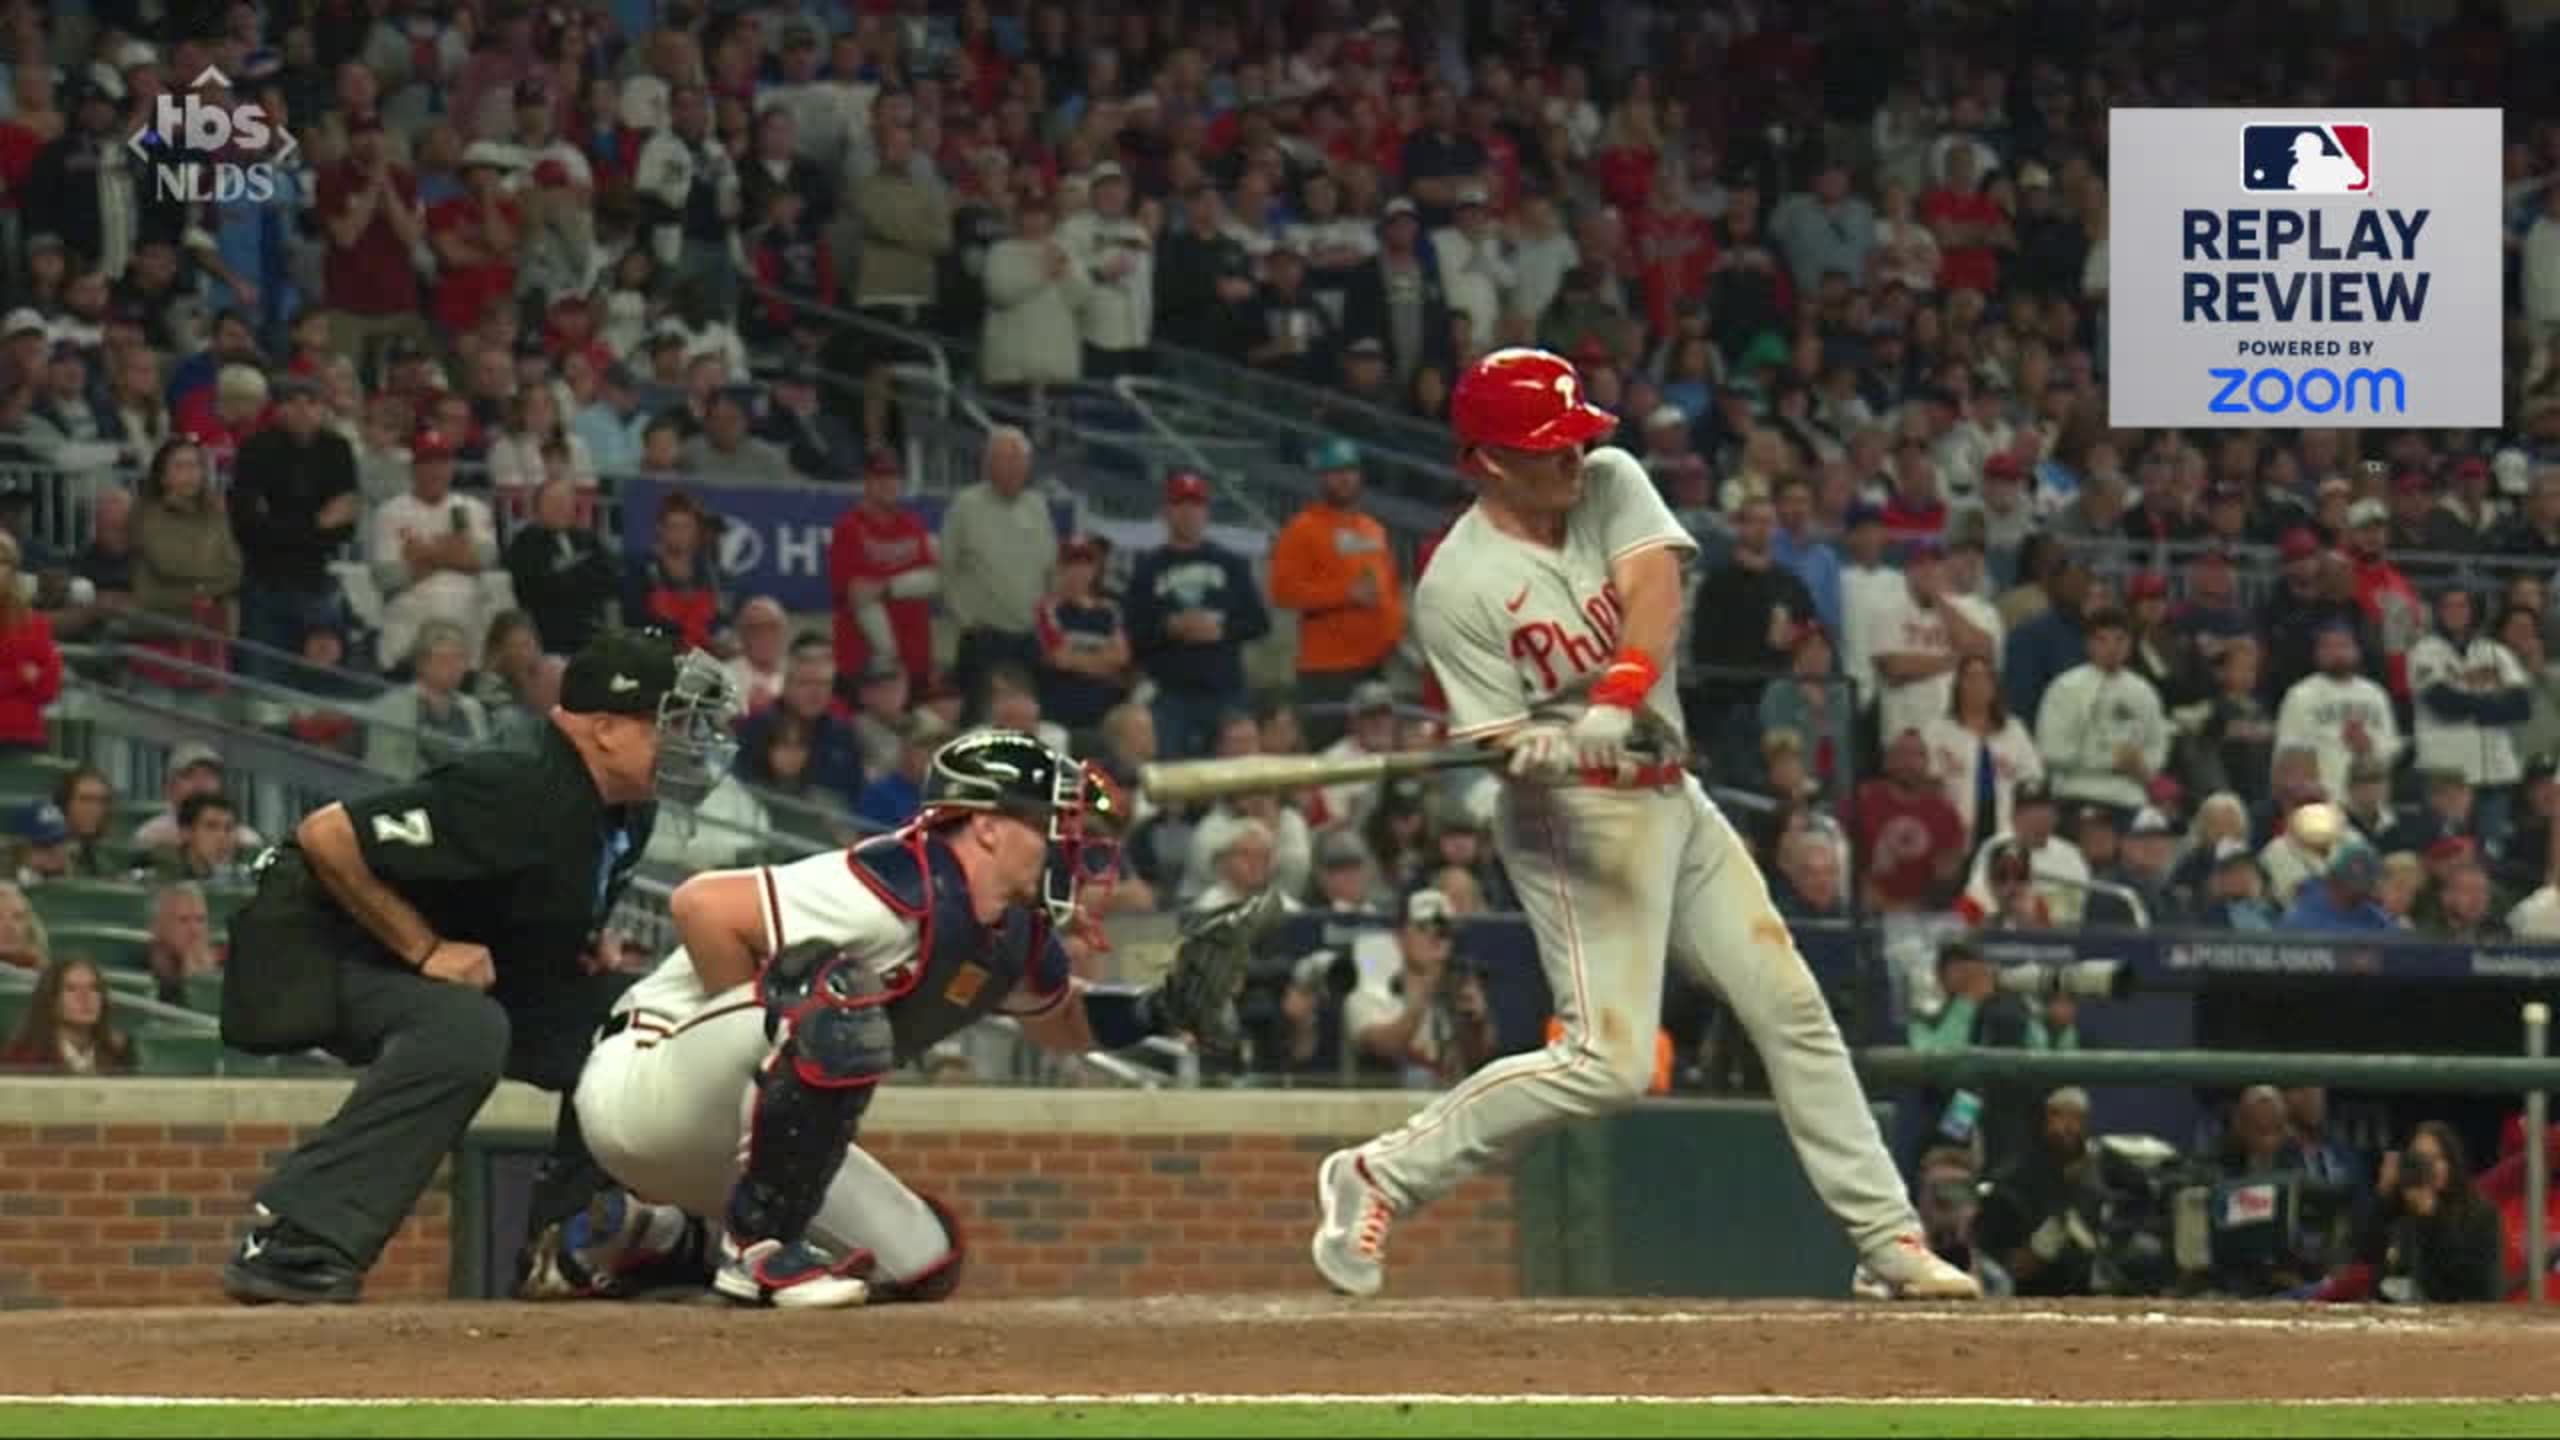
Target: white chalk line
x=1173, y=1399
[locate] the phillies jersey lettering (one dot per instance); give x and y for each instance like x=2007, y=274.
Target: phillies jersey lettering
x=1514, y=630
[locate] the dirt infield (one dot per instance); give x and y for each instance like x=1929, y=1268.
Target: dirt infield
x=1264, y=1346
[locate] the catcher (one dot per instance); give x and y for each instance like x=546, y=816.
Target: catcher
x=798, y=987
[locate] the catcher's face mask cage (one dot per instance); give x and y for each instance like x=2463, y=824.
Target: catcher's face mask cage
x=696, y=744
x=1085, y=820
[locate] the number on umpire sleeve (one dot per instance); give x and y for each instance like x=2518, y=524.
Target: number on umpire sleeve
x=410, y=827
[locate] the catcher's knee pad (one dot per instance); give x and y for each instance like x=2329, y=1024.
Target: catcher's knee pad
x=836, y=1044
x=943, y=1276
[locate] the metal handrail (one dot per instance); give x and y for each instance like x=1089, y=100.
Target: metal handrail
x=1294, y=397
x=937, y=357
x=2172, y=558
x=1130, y=391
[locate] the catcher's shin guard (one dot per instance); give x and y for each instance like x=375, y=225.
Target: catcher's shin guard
x=830, y=1016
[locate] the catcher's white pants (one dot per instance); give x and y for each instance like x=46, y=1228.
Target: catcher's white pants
x=1613, y=880
x=665, y=1106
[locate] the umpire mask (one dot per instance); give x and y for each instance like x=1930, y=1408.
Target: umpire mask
x=696, y=740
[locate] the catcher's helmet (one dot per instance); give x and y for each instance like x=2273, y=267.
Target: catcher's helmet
x=1008, y=772
x=1523, y=399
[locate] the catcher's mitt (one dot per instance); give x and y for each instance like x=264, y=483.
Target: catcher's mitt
x=1197, y=995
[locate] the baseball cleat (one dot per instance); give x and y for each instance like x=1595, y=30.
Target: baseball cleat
x=588, y=1253
x=1350, y=1246
x=1905, y=1268
x=280, y=1263
x=797, y=1276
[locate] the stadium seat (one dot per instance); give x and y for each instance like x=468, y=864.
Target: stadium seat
x=164, y=1051
x=20, y=770
x=204, y=993
x=221, y=902
x=63, y=903
x=113, y=947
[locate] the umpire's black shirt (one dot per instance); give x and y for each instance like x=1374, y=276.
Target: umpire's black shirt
x=514, y=851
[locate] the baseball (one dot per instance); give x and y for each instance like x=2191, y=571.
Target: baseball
x=2316, y=826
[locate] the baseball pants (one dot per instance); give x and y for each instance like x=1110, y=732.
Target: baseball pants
x=1613, y=881
x=665, y=1105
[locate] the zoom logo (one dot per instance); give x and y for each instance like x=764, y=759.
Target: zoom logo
x=2317, y=391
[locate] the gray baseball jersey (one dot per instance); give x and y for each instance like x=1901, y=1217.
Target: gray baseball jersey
x=1616, y=882
x=1516, y=631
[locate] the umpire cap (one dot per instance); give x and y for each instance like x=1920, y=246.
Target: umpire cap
x=620, y=672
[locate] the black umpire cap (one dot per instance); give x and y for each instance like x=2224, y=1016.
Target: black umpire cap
x=620, y=672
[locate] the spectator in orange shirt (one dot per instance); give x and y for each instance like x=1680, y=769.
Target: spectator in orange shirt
x=1331, y=564
x=881, y=571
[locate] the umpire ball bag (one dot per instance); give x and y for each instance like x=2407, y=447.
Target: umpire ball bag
x=280, y=981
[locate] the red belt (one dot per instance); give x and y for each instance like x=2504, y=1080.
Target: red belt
x=1643, y=777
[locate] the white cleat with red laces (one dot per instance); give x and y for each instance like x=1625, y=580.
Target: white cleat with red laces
x=1905, y=1268
x=1350, y=1247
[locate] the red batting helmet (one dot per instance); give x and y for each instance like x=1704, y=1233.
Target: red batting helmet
x=1522, y=399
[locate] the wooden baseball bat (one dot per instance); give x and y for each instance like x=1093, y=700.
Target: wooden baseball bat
x=1174, y=781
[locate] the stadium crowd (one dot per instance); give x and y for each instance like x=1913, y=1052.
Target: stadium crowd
x=1843, y=272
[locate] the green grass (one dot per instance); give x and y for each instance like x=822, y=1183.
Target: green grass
x=1430, y=1420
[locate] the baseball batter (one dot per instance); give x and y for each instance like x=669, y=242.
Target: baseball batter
x=1548, y=616
x=731, y=1080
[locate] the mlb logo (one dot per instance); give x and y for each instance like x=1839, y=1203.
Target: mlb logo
x=2334, y=159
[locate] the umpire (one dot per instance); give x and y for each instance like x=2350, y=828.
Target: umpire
x=439, y=934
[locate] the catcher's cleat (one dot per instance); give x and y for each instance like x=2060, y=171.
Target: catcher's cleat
x=587, y=1255
x=1905, y=1268
x=1350, y=1246
x=797, y=1276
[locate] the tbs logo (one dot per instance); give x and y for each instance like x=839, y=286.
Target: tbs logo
x=2306, y=159
x=200, y=151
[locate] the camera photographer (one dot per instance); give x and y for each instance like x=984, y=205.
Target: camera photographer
x=2043, y=1213
x=1432, y=1019
x=2431, y=1238
x=1977, y=1011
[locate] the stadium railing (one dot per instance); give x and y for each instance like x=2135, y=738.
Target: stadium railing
x=2259, y=573
x=2532, y=1075
x=1277, y=398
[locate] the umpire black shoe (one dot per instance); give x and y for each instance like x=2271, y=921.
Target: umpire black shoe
x=280, y=1263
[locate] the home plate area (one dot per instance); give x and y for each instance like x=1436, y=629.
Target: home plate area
x=1210, y=1345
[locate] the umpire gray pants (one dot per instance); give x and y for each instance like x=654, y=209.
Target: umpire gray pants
x=431, y=1051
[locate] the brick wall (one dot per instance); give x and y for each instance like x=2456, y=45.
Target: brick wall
x=1099, y=1214
x=1081, y=1200
x=129, y=1214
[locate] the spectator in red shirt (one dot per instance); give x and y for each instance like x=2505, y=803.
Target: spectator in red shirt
x=2389, y=602
x=475, y=236
x=34, y=125
x=1909, y=838
x=1970, y=227
x=30, y=665
x=369, y=209
x=225, y=414
x=1915, y=511
x=881, y=571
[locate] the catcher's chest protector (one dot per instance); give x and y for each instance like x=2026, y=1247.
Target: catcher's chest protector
x=962, y=970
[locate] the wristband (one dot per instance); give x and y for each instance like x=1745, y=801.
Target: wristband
x=1629, y=678
x=420, y=964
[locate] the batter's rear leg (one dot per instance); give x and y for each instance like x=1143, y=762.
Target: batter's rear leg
x=1727, y=933
x=1594, y=870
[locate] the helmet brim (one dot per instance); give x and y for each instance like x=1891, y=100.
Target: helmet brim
x=1577, y=426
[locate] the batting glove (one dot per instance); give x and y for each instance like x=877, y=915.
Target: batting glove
x=1542, y=752
x=1599, y=737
